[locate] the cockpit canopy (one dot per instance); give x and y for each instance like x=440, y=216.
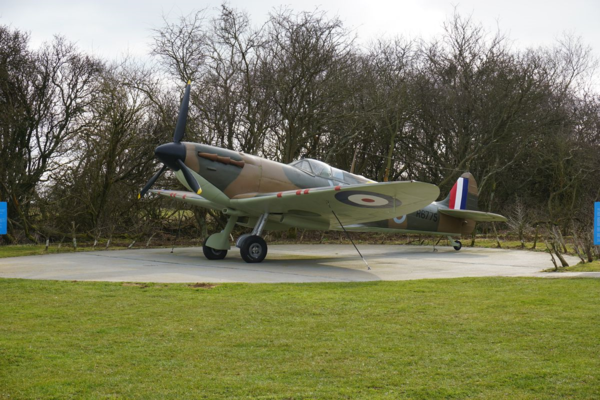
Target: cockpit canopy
x=325, y=171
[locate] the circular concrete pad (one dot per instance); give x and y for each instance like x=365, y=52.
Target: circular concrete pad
x=284, y=263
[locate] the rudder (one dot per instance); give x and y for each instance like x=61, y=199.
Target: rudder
x=464, y=194
x=462, y=203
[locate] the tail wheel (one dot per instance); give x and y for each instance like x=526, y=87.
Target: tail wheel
x=254, y=249
x=457, y=245
x=213, y=254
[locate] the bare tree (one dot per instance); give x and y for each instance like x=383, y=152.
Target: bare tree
x=306, y=54
x=181, y=47
x=45, y=95
x=518, y=220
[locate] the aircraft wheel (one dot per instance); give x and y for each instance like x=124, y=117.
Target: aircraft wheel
x=458, y=245
x=213, y=254
x=241, y=239
x=254, y=249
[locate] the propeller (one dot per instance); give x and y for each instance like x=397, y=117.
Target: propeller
x=183, y=112
x=151, y=181
x=189, y=178
x=173, y=154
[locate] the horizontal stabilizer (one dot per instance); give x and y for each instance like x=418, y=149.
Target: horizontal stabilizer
x=478, y=216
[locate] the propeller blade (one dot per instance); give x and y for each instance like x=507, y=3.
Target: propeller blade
x=183, y=112
x=191, y=181
x=151, y=182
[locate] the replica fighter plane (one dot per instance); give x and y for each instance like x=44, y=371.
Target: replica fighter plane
x=261, y=194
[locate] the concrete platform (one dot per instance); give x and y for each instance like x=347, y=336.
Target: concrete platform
x=284, y=263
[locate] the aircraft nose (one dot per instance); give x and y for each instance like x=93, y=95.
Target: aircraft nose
x=169, y=153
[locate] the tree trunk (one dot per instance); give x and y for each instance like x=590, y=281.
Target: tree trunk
x=560, y=257
x=535, y=238
x=551, y=255
x=496, y=234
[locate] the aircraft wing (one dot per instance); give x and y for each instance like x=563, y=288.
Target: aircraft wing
x=353, y=204
x=478, y=216
x=188, y=197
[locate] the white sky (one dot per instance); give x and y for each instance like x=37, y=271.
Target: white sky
x=111, y=28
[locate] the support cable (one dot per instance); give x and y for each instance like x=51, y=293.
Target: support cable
x=178, y=229
x=349, y=238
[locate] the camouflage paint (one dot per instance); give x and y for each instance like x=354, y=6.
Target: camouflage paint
x=240, y=175
x=250, y=176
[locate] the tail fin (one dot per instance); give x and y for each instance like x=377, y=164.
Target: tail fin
x=464, y=194
x=462, y=202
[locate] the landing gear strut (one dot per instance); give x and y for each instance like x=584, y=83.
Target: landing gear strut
x=253, y=248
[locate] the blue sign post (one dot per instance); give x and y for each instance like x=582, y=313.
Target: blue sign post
x=3, y=217
x=597, y=223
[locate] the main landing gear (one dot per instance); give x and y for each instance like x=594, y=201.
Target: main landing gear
x=253, y=248
x=456, y=244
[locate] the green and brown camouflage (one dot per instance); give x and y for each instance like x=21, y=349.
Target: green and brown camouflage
x=240, y=175
x=230, y=180
x=244, y=176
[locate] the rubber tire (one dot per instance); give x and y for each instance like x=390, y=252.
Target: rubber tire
x=458, y=246
x=254, y=249
x=240, y=241
x=213, y=254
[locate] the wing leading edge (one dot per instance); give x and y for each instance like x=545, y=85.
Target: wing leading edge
x=188, y=197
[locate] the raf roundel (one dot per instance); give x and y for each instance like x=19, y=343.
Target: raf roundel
x=359, y=198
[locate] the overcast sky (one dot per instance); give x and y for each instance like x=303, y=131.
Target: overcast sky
x=111, y=28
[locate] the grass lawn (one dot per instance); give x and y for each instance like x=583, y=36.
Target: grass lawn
x=29, y=250
x=516, y=338
x=506, y=244
x=34, y=249
x=587, y=267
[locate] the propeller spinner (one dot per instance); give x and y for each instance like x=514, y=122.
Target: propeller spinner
x=173, y=154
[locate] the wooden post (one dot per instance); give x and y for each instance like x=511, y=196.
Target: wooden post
x=354, y=161
x=74, y=236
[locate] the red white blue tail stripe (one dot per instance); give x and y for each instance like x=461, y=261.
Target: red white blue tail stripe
x=458, y=194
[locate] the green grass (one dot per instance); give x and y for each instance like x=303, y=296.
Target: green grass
x=506, y=244
x=514, y=338
x=33, y=250
x=587, y=267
